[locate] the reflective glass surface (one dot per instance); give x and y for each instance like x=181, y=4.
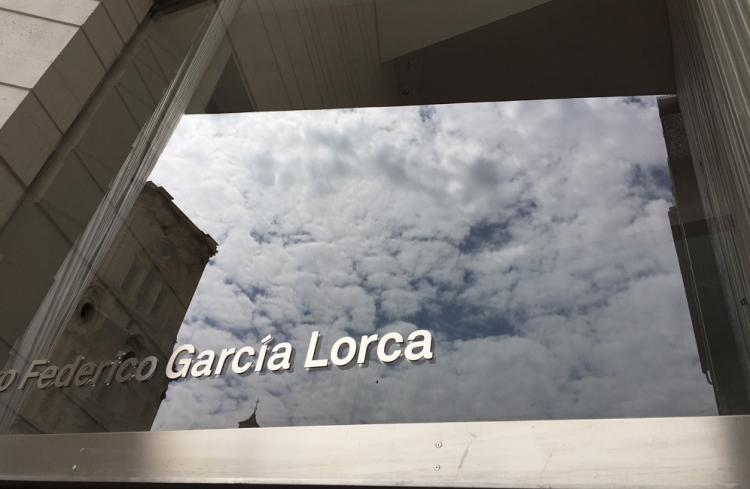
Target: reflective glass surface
x=300, y=213
x=531, y=239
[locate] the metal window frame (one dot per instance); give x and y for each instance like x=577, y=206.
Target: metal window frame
x=688, y=452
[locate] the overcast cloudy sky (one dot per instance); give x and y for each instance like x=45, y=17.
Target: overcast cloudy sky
x=531, y=238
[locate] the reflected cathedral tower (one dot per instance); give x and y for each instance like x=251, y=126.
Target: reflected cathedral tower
x=133, y=307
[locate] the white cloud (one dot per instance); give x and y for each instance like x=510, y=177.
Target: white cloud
x=531, y=237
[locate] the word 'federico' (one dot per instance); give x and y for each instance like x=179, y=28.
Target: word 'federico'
x=184, y=361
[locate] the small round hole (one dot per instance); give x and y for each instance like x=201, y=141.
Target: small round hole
x=87, y=312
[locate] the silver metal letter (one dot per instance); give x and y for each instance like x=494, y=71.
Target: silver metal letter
x=7, y=377
x=86, y=370
x=424, y=344
x=225, y=354
x=280, y=360
x=351, y=352
x=241, y=369
x=262, y=353
x=383, y=354
x=30, y=374
x=119, y=375
x=184, y=363
x=203, y=365
x=141, y=374
x=312, y=350
x=66, y=373
x=47, y=377
x=364, y=345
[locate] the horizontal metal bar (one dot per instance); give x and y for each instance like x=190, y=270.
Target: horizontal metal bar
x=654, y=452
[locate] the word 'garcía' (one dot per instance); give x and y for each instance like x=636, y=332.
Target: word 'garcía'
x=390, y=347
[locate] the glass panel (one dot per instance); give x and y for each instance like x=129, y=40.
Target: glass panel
x=367, y=218
x=530, y=239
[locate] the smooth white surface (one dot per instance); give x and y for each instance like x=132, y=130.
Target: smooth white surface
x=122, y=16
x=656, y=452
x=68, y=11
x=28, y=46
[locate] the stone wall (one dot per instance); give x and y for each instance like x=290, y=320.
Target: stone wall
x=133, y=307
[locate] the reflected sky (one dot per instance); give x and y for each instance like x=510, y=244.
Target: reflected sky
x=531, y=238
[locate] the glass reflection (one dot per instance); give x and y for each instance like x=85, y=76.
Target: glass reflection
x=530, y=238
x=539, y=243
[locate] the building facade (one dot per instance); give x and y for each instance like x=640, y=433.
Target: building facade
x=90, y=92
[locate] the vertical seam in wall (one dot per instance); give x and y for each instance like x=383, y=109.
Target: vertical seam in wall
x=112, y=20
x=377, y=30
x=325, y=64
x=132, y=12
x=309, y=54
x=346, y=36
x=52, y=153
x=245, y=82
x=147, y=43
x=367, y=48
x=127, y=107
x=275, y=57
x=122, y=86
x=166, y=51
x=288, y=55
x=93, y=48
x=675, y=54
x=145, y=83
x=70, y=89
x=354, y=95
x=139, y=70
x=16, y=176
x=20, y=200
x=88, y=171
x=319, y=62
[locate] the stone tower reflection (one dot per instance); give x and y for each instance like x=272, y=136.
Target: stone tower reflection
x=134, y=307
